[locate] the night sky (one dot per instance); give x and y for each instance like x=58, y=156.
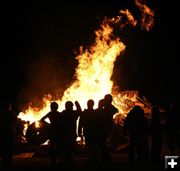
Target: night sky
x=40, y=42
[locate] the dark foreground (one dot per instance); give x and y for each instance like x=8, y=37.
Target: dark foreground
x=27, y=161
x=35, y=158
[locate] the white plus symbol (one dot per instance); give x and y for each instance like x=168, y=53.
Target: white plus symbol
x=172, y=163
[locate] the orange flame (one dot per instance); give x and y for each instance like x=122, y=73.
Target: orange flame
x=147, y=20
x=34, y=114
x=93, y=74
x=125, y=18
x=94, y=70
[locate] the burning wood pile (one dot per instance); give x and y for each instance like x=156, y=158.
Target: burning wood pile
x=95, y=68
x=36, y=132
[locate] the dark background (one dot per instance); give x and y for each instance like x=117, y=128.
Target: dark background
x=40, y=42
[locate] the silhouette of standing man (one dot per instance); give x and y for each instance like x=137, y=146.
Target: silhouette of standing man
x=8, y=120
x=88, y=121
x=136, y=125
x=54, y=116
x=68, y=131
x=106, y=125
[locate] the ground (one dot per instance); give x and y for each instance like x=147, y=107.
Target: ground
x=38, y=160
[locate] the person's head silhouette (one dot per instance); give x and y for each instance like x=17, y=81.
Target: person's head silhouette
x=54, y=106
x=69, y=105
x=108, y=99
x=90, y=104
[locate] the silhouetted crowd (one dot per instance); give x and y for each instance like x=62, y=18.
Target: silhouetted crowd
x=145, y=135
x=148, y=137
x=94, y=125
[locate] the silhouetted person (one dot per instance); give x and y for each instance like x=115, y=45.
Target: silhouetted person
x=68, y=130
x=8, y=120
x=54, y=117
x=156, y=134
x=136, y=125
x=102, y=133
x=173, y=127
x=108, y=110
x=89, y=122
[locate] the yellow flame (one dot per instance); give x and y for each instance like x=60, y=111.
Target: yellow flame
x=37, y=124
x=34, y=114
x=93, y=74
x=94, y=70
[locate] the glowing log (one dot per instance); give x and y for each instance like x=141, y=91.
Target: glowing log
x=37, y=133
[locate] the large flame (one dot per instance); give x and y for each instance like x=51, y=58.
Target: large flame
x=95, y=68
x=94, y=71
